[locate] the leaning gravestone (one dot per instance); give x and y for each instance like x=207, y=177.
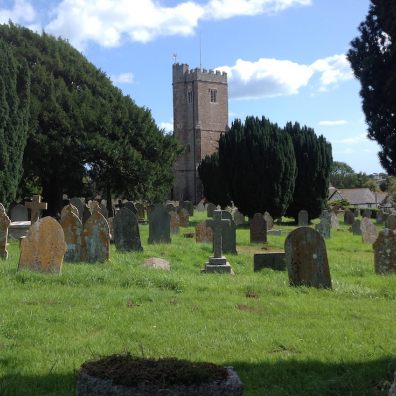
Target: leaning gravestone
x=379, y=217
x=19, y=213
x=210, y=208
x=385, y=252
x=239, y=218
x=369, y=230
x=203, y=233
x=188, y=205
x=334, y=221
x=43, y=248
x=95, y=239
x=269, y=221
x=159, y=225
x=356, y=227
x=349, y=217
x=303, y=218
x=131, y=206
x=324, y=227
x=79, y=204
x=258, y=229
x=126, y=231
x=174, y=222
x=391, y=222
x=36, y=206
x=306, y=258
x=183, y=217
x=4, y=224
x=228, y=234
x=72, y=229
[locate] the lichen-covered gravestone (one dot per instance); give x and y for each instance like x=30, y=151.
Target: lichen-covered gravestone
x=306, y=258
x=69, y=208
x=79, y=204
x=184, y=217
x=19, y=213
x=269, y=220
x=43, y=248
x=228, y=234
x=95, y=239
x=356, y=227
x=72, y=229
x=258, y=229
x=126, y=231
x=203, y=233
x=369, y=230
x=4, y=224
x=303, y=218
x=174, y=222
x=385, y=252
x=210, y=208
x=159, y=225
x=349, y=217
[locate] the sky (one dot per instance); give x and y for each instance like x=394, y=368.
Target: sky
x=285, y=59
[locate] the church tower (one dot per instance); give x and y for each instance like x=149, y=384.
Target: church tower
x=200, y=116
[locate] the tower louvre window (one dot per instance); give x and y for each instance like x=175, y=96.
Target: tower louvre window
x=189, y=97
x=213, y=95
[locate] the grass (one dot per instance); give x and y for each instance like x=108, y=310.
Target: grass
x=281, y=340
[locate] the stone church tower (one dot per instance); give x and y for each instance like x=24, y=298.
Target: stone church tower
x=200, y=116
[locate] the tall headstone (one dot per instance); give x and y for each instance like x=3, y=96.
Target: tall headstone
x=95, y=239
x=19, y=213
x=184, y=217
x=44, y=247
x=385, y=252
x=69, y=208
x=349, y=217
x=369, y=230
x=228, y=234
x=203, y=233
x=159, y=225
x=174, y=222
x=36, y=206
x=306, y=258
x=4, y=224
x=126, y=231
x=258, y=229
x=303, y=218
x=72, y=229
x=356, y=227
x=269, y=221
x=79, y=204
x=210, y=208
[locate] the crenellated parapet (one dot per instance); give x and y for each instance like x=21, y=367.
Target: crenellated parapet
x=182, y=73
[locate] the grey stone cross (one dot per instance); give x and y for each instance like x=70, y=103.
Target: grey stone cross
x=36, y=206
x=217, y=224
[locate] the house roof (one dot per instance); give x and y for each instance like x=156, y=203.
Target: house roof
x=358, y=196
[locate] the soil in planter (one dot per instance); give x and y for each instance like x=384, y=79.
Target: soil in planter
x=130, y=371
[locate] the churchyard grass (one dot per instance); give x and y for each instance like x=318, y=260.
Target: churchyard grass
x=281, y=340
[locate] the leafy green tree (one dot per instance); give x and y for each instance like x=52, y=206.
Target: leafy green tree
x=314, y=158
x=343, y=176
x=373, y=60
x=258, y=163
x=14, y=106
x=214, y=186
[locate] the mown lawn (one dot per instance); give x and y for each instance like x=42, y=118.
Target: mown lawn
x=281, y=340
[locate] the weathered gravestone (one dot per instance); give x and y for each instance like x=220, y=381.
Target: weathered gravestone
x=183, y=217
x=272, y=260
x=4, y=224
x=201, y=206
x=36, y=206
x=72, y=229
x=43, y=248
x=306, y=258
x=217, y=263
x=126, y=231
x=155, y=262
x=140, y=212
x=335, y=224
x=228, y=234
x=174, y=222
x=258, y=229
x=95, y=239
x=19, y=213
x=379, y=217
x=356, y=227
x=367, y=213
x=391, y=222
x=131, y=206
x=385, y=252
x=188, y=205
x=203, y=233
x=369, y=230
x=239, y=218
x=303, y=218
x=210, y=208
x=79, y=204
x=170, y=207
x=349, y=217
x=324, y=226
x=69, y=208
x=159, y=225
x=86, y=214
x=103, y=210
x=269, y=220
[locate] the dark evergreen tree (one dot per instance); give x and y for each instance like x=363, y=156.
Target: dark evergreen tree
x=373, y=60
x=258, y=163
x=314, y=158
x=14, y=112
x=214, y=186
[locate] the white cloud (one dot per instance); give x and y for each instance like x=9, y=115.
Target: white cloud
x=332, y=122
x=167, y=126
x=123, y=78
x=354, y=139
x=22, y=11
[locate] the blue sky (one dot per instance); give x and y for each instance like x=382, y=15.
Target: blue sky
x=285, y=59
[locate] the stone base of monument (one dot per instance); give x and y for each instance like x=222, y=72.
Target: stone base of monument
x=217, y=265
x=18, y=229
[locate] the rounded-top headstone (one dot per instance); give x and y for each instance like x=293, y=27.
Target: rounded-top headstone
x=79, y=204
x=72, y=229
x=126, y=231
x=385, y=252
x=303, y=218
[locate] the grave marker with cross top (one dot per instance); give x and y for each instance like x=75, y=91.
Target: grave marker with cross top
x=36, y=206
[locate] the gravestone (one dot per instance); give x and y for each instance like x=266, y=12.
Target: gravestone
x=258, y=229
x=43, y=248
x=131, y=206
x=272, y=260
x=379, y=217
x=324, y=226
x=269, y=220
x=334, y=221
x=356, y=212
x=4, y=224
x=201, y=206
x=126, y=231
x=239, y=218
x=72, y=229
x=306, y=258
x=170, y=207
x=188, y=205
x=183, y=217
x=36, y=206
x=217, y=263
x=385, y=252
x=103, y=210
x=86, y=214
x=155, y=262
x=79, y=204
x=367, y=213
x=140, y=212
x=19, y=213
x=303, y=218
x=159, y=225
x=391, y=222
x=228, y=234
x=174, y=222
x=356, y=227
x=203, y=233
x=369, y=230
x=349, y=217
x=210, y=208
x=95, y=239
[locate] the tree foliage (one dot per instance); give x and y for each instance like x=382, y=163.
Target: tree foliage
x=214, y=186
x=343, y=176
x=313, y=158
x=14, y=101
x=373, y=60
x=258, y=163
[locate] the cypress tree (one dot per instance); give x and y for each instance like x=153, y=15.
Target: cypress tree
x=258, y=163
x=314, y=159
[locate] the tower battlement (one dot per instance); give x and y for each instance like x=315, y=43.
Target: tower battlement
x=182, y=73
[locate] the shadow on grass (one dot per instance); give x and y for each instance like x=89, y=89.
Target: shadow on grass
x=285, y=377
